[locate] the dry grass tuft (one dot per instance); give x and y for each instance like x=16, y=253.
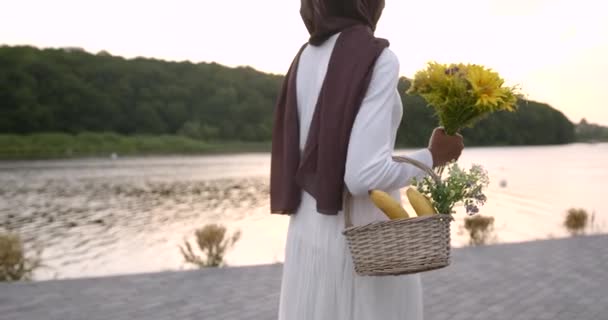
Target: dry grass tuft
x=480, y=229
x=213, y=243
x=14, y=265
x=577, y=221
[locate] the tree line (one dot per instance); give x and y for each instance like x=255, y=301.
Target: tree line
x=73, y=91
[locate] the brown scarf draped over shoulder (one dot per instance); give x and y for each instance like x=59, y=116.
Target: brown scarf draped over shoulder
x=320, y=169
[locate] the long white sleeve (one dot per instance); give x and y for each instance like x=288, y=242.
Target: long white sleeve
x=369, y=163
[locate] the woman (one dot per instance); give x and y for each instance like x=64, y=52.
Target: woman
x=334, y=132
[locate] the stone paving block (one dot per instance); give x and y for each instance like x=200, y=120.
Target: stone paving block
x=558, y=279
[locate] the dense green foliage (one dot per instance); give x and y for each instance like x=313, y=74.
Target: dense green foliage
x=55, y=90
x=587, y=132
x=77, y=93
x=87, y=144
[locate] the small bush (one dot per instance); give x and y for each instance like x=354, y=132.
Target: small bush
x=480, y=229
x=577, y=221
x=213, y=243
x=14, y=265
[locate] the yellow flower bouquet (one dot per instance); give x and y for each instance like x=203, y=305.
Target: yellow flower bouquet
x=462, y=94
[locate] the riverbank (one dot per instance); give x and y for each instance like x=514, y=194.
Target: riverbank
x=41, y=146
x=85, y=145
x=555, y=279
x=98, y=217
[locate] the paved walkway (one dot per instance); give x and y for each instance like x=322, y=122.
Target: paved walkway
x=556, y=279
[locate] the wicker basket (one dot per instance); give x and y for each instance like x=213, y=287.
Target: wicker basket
x=402, y=246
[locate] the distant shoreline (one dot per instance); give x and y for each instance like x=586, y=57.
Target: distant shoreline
x=49, y=146
x=54, y=146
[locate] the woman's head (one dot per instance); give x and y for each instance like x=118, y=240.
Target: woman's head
x=324, y=18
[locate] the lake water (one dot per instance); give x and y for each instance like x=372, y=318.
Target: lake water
x=98, y=217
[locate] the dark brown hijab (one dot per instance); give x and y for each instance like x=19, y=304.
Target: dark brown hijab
x=320, y=169
x=324, y=18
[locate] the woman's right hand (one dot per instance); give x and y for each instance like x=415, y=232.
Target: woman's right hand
x=444, y=147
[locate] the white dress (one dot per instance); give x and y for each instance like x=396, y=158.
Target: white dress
x=319, y=281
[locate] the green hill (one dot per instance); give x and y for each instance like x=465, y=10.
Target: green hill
x=74, y=93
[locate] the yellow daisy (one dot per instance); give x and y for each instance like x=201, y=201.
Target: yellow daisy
x=486, y=84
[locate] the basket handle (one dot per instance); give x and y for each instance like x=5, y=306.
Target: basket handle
x=348, y=222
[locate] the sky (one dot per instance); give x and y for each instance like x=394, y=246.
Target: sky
x=555, y=50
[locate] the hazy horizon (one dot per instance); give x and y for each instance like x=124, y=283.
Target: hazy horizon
x=555, y=50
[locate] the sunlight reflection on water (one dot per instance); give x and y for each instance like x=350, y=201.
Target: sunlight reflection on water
x=103, y=216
